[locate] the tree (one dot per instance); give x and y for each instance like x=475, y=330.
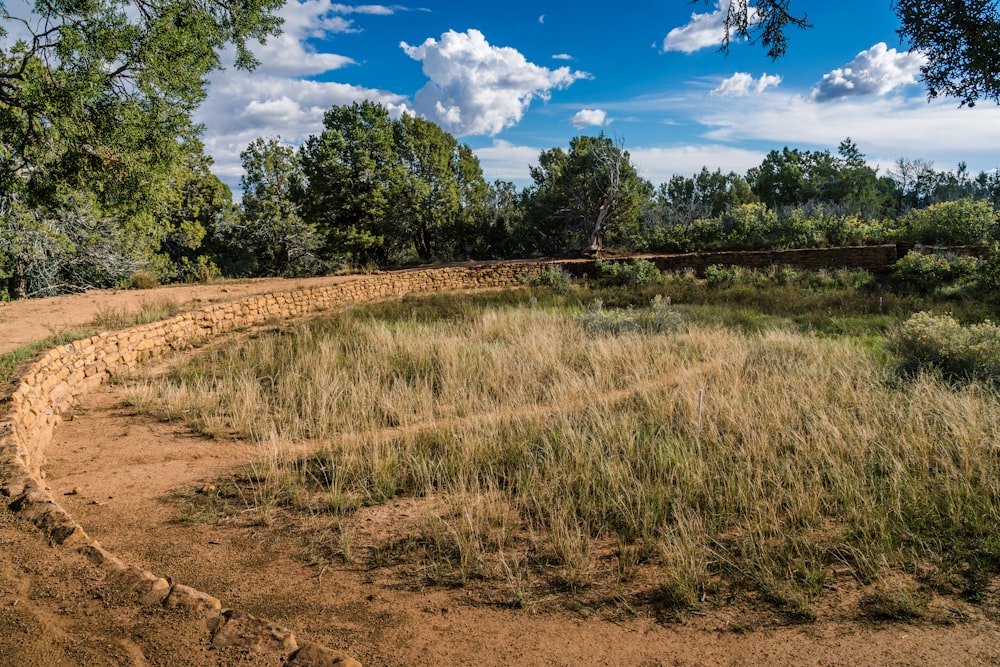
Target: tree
x=586, y=196
x=792, y=177
x=98, y=93
x=440, y=184
x=95, y=127
x=271, y=238
x=195, y=207
x=350, y=168
x=389, y=191
x=961, y=39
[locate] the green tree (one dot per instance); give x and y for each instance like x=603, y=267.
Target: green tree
x=95, y=120
x=270, y=237
x=586, y=197
x=99, y=93
x=440, y=185
x=351, y=168
x=389, y=191
x=792, y=177
x=195, y=208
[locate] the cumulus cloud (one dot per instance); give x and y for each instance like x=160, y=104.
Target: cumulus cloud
x=875, y=71
x=703, y=31
x=477, y=88
x=289, y=54
x=741, y=84
x=589, y=117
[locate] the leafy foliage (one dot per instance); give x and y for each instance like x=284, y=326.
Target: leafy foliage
x=271, y=237
x=961, y=41
x=634, y=273
x=940, y=341
x=926, y=272
x=961, y=222
x=387, y=190
x=586, y=197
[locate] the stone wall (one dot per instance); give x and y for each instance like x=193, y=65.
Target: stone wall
x=877, y=259
x=51, y=384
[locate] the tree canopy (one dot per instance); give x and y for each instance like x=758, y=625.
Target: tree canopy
x=386, y=190
x=101, y=93
x=960, y=38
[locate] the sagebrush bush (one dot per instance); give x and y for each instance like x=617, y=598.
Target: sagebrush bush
x=634, y=273
x=927, y=272
x=659, y=317
x=941, y=342
x=554, y=276
x=959, y=222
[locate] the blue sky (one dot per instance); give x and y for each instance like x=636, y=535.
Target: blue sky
x=512, y=79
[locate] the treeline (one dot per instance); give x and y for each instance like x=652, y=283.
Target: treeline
x=373, y=191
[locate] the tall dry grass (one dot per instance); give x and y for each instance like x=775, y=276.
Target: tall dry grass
x=572, y=457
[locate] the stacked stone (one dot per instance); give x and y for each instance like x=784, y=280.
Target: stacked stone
x=49, y=387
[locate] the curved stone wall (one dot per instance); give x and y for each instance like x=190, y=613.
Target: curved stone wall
x=51, y=384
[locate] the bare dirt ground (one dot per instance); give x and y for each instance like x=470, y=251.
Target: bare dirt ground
x=125, y=477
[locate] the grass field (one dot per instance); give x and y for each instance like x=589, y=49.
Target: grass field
x=745, y=439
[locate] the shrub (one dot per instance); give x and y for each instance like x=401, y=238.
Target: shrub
x=636, y=273
x=554, y=276
x=959, y=222
x=143, y=280
x=927, y=272
x=940, y=341
x=659, y=317
x=721, y=276
x=988, y=274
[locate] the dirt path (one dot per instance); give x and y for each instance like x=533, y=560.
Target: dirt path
x=29, y=320
x=121, y=475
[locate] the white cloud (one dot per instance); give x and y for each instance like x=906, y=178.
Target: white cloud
x=506, y=161
x=477, y=88
x=562, y=56
x=741, y=84
x=876, y=71
x=659, y=163
x=589, y=117
x=288, y=54
x=377, y=10
x=703, y=31
x=541, y=19
x=888, y=126
x=243, y=106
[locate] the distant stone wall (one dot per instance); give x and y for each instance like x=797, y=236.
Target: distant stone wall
x=876, y=259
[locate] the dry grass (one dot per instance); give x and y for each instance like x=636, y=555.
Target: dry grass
x=571, y=458
x=150, y=310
